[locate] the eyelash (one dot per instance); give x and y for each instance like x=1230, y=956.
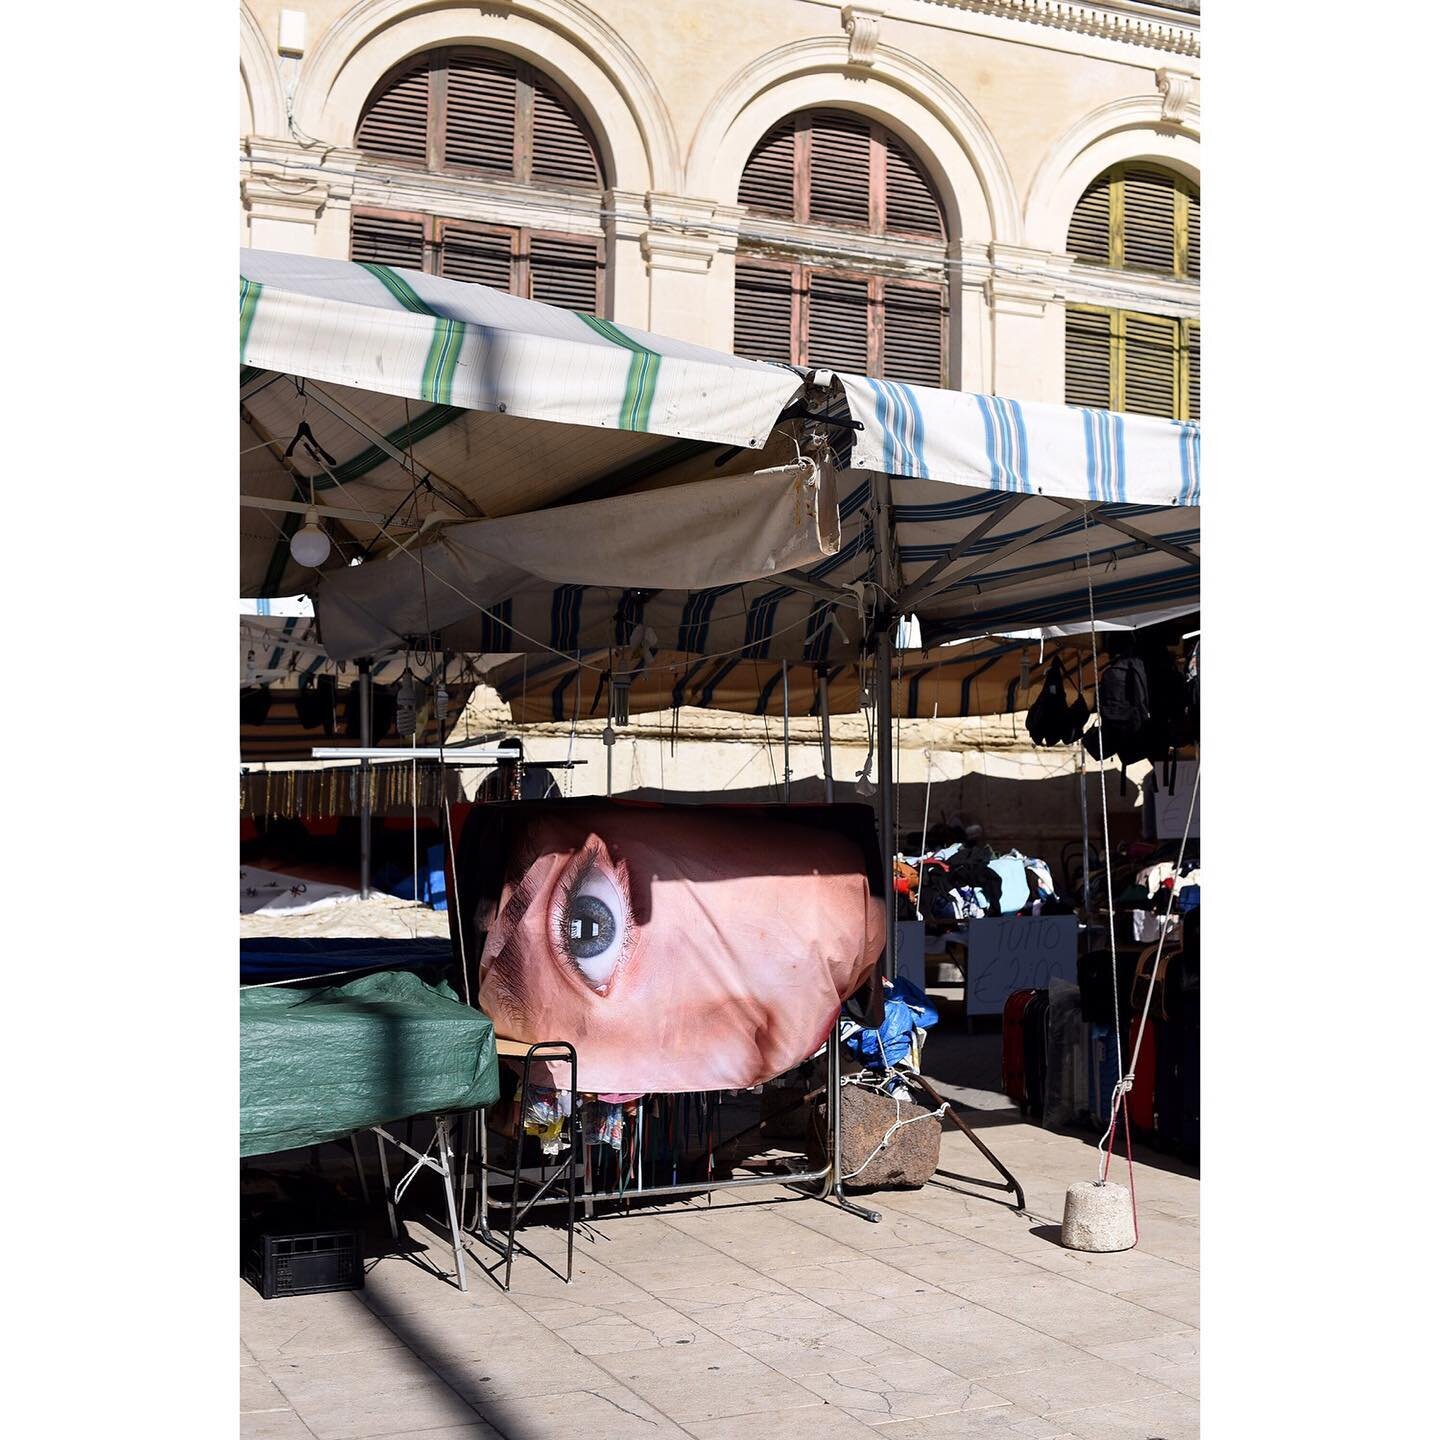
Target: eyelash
x=567, y=886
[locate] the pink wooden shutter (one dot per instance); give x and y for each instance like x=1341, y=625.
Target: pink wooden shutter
x=914, y=346
x=395, y=120
x=837, y=333
x=839, y=170
x=480, y=94
x=910, y=204
x=764, y=313
x=565, y=270
x=768, y=181
x=388, y=240
x=563, y=152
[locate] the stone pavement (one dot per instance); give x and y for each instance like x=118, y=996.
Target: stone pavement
x=785, y=1320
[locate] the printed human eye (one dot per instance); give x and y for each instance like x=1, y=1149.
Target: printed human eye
x=592, y=920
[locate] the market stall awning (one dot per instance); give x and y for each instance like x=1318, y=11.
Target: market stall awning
x=417, y=405
x=989, y=675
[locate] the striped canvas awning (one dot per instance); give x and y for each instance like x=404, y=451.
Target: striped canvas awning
x=990, y=675
x=408, y=400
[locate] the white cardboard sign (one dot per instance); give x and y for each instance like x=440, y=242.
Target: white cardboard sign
x=1017, y=952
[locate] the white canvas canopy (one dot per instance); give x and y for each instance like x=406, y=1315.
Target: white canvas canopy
x=439, y=401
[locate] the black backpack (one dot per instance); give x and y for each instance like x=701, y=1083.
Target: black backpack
x=1052, y=719
x=1125, y=715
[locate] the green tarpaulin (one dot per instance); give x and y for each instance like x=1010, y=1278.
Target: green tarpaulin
x=317, y=1064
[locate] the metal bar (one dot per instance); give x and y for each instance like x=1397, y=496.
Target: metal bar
x=365, y=739
x=385, y=1181
x=785, y=687
x=1023, y=541
x=442, y=1144
x=911, y=595
x=885, y=781
x=451, y=755
x=450, y=491
x=947, y=1110
x=1112, y=522
x=826, y=764
x=1040, y=572
x=325, y=512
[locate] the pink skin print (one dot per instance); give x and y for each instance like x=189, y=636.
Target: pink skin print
x=676, y=950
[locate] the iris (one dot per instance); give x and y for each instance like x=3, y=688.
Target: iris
x=590, y=928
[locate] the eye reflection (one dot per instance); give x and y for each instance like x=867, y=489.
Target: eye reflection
x=592, y=917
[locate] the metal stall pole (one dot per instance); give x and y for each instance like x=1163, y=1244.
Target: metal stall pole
x=884, y=678
x=825, y=758
x=785, y=687
x=365, y=742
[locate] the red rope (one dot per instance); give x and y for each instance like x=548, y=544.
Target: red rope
x=1129, y=1160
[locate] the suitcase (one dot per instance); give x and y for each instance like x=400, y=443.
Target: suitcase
x=1012, y=1045
x=1177, y=1054
x=1142, y=1091
x=1104, y=1071
x=1035, y=1027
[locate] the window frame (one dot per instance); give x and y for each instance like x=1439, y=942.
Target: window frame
x=519, y=236
x=1185, y=190
x=1185, y=328
x=800, y=274
x=437, y=116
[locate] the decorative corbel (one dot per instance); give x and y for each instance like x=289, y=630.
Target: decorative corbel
x=1177, y=94
x=862, y=25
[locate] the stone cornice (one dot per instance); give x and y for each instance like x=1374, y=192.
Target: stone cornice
x=1130, y=24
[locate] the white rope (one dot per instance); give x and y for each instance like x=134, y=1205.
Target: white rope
x=1127, y=1080
x=1122, y=1085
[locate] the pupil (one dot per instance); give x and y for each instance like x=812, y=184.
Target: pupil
x=592, y=927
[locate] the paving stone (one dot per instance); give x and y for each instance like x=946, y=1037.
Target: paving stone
x=995, y=1422
x=609, y=1412
x=705, y=1381
x=816, y=1422
x=1173, y=1360
x=1170, y=1417
x=1055, y=1390
x=1066, y=1309
x=900, y=1390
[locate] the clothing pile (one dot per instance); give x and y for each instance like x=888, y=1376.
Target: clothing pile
x=968, y=880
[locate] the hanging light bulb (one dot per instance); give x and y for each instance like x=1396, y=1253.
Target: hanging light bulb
x=405, y=704
x=310, y=545
x=864, y=785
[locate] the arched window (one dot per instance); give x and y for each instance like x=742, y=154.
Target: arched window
x=841, y=258
x=498, y=123
x=1135, y=218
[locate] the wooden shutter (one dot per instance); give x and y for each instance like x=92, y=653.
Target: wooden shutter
x=1089, y=237
x=768, y=180
x=839, y=170
x=565, y=270
x=914, y=328
x=388, y=240
x=910, y=203
x=480, y=102
x=1088, y=367
x=483, y=257
x=837, y=330
x=1192, y=374
x=1149, y=220
x=1151, y=347
x=396, y=120
x=1192, y=236
x=764, y=313
x=562, y=152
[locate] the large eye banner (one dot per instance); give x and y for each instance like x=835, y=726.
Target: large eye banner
x=678, y=948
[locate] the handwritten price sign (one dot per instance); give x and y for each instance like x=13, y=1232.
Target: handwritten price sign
x=1017, y=953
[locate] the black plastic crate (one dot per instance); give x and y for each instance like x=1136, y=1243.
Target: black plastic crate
x=305, y=1264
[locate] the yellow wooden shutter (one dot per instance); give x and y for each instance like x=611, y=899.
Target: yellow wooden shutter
x=1089, y=236
x=1089, y=367
x=1150, y=364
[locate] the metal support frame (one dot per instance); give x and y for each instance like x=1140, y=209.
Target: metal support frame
x=541, y=1051
x=947, y=1111
x=440, y=1164
x=826, y=765
x=365, y=739
x=831, y=1185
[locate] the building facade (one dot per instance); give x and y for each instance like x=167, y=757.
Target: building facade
x=996, y=195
